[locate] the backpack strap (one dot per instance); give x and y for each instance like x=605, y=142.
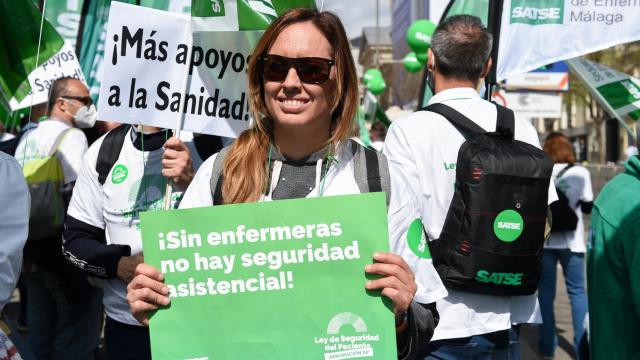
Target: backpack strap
x=506, y=122
x=461, y=122
x=207, y=145
x=217, y=177
x=564, y=170
x=110, y=151
x=56, y=144
x=371, y=170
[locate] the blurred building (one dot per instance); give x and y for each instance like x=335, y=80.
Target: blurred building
x=598, y=138
x=375, y=51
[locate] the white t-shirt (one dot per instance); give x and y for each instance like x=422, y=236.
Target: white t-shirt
x=423, y=148
x=340, y=180
x=116, y=205
x=38, y=143
x=575, y=183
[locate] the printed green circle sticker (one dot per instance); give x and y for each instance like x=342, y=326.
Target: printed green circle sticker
x=508, y=225
x=417, y=240
x=119, y=174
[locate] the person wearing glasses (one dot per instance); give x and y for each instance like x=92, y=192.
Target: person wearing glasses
x=303, y=96
x=63, y=310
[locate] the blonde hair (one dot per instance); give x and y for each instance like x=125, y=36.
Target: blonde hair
x=245, y=167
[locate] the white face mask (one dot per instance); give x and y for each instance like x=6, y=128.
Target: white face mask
x=85, y=117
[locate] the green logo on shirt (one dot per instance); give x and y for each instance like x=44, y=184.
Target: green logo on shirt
x=119, y=174
x=508, y=225
x=417, y=240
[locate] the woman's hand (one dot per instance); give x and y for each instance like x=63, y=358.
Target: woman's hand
x=397, y=281
x=146, y=292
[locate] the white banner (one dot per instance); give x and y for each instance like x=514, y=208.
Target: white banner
x=534, y=33
x=63, y=63
x=152, y=56
x=618, y=92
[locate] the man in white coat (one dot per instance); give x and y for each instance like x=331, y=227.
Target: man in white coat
x=423, y=148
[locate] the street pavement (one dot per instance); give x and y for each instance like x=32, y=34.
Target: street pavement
x=529, y=334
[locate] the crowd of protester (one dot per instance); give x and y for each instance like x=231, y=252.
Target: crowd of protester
x=83, y=268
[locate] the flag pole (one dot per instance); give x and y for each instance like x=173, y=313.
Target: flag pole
x=185, y=82
x=494, y=21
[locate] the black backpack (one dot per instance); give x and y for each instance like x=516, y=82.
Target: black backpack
x=492, y=238
x=563, y=216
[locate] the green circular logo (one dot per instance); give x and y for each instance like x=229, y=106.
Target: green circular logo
x=417, y=240
x=508, y=225
x=119, y=174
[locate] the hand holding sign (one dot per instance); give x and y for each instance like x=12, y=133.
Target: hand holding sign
x=146, y=292
x=176, y=163
x=398, y=282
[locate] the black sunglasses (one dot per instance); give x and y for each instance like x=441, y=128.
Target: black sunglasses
x=310, y=70
x=85, y=100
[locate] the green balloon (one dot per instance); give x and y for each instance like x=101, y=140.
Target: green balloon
x=419, y=35
x=376, y=85
x=371, y=74
x=422, y=58
x=411, y=62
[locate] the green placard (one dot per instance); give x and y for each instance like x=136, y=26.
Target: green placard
x=273, y=280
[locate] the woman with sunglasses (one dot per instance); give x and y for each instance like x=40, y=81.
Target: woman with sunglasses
x=303, y=95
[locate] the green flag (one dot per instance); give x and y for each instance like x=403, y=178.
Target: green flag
x=243, y=15
x=19, y=33
x=617, y=92
x=65, y=17
x=177, y=6
x=479, y=8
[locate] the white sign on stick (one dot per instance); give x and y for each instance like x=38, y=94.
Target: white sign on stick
x=148, y=54
x=63, y=63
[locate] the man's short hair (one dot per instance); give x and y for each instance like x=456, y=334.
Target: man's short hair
x=58, y=89
x=461, y=45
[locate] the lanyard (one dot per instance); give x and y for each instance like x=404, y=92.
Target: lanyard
x=277, y=169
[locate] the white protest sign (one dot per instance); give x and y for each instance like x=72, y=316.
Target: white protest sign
x=148, y=54
x=63, y=63
x=534, y=33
